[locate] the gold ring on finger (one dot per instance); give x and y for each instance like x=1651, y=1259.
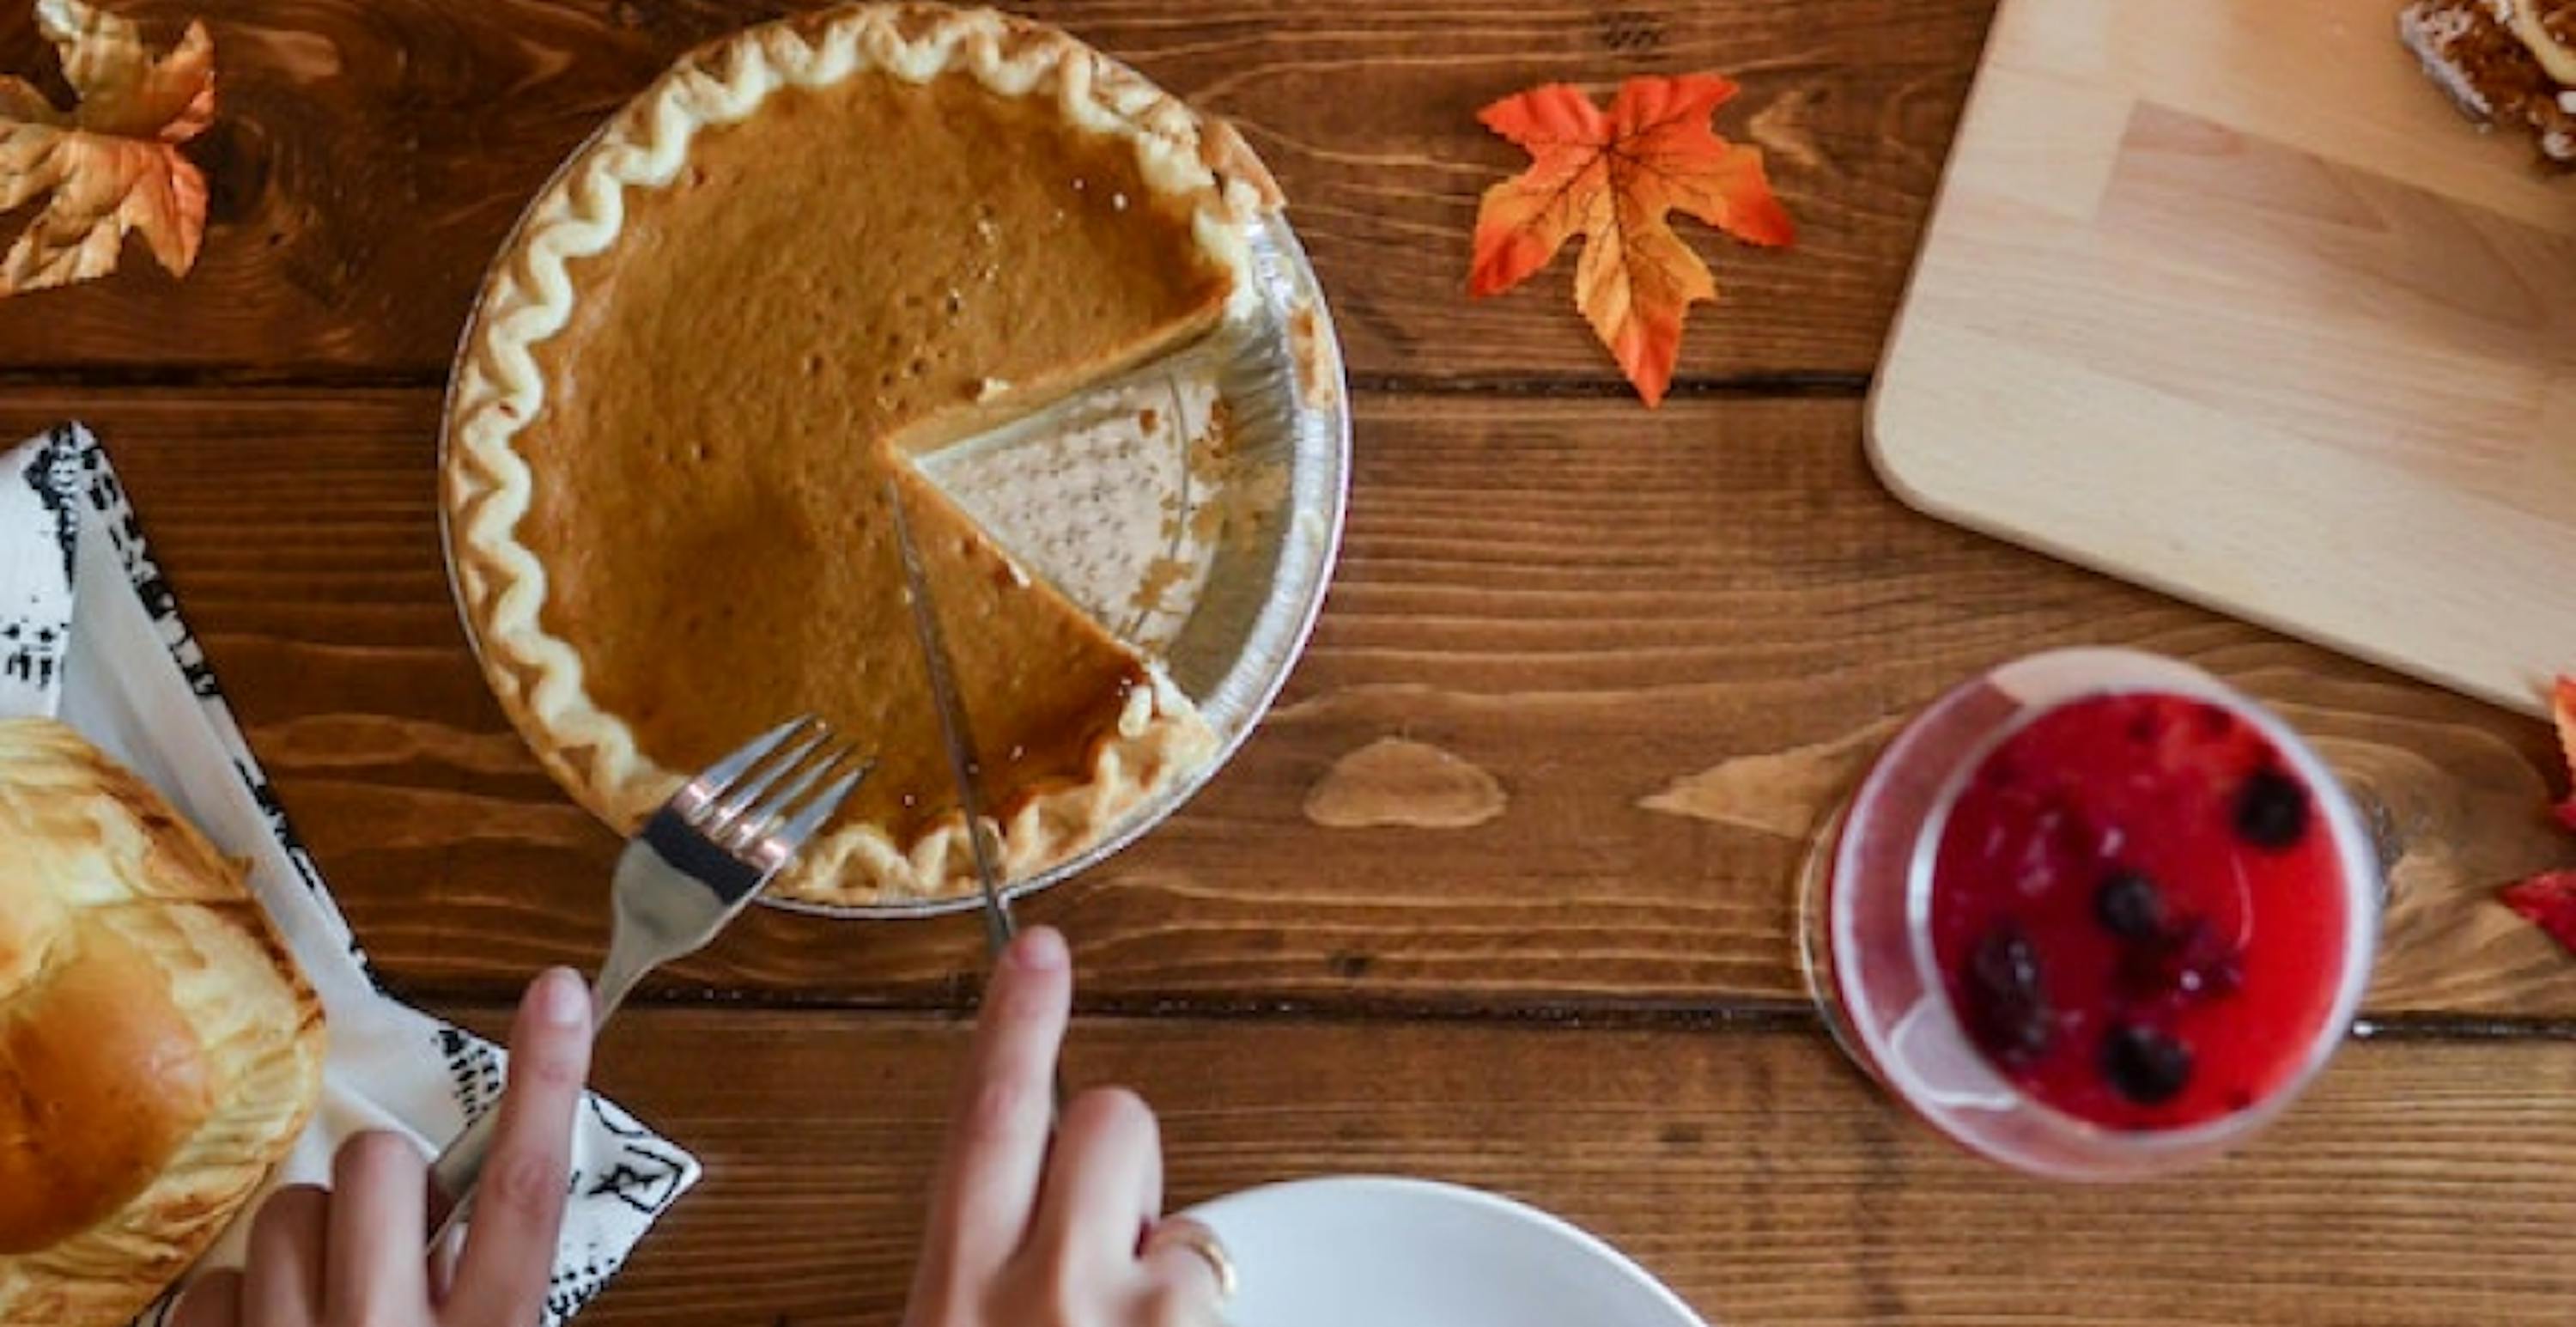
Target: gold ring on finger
x=1202, y=1241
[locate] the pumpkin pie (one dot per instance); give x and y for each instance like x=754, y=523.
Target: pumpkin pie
x=806, y=257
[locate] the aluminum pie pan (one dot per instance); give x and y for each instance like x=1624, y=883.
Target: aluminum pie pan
x=1281, y=378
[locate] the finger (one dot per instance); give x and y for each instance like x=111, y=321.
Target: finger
x=1188, y=1273
x=1170, y=1306
x=214, y=1300
x=518, y=1211
x=374, y=1272
x=282, y=1284
x=1104, y=1181
x=997, y=1132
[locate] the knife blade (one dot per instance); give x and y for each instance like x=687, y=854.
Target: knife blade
x=954, y=728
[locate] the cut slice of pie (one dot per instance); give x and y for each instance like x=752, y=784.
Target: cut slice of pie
x=807, y=255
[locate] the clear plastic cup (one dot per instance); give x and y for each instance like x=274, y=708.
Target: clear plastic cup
x=1866, y=905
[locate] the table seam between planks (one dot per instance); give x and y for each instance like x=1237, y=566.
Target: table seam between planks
x=1746, y=1017
x=1788, y=384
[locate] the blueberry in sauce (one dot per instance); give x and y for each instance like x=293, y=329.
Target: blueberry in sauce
x=2272, y=811
x=2007, y=1000
x=2190, y=960
x=2129, y=905
x=2203, y=962
x=2144, y=1065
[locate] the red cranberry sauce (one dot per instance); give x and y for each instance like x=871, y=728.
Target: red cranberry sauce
x=2138, y=911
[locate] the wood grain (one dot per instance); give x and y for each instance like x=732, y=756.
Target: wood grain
x=2299, y=347
x=1587, y=678
x=370, y=155
x=1664, y=638
x=1761, y=1177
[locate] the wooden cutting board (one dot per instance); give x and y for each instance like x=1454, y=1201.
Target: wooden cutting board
x=2224, y=297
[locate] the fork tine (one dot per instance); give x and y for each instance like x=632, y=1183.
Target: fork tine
x=771, y=808
x=757, y=821
x=712, y=782
x=737, y=803
x=790, y=837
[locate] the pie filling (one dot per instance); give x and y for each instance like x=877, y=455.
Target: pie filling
x=860, y=274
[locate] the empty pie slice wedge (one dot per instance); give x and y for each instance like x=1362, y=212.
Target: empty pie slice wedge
x=808, y=255
x=1119, y=497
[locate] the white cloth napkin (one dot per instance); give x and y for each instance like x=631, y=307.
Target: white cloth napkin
x=90, y=633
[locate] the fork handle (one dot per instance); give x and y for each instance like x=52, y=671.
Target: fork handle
x=458, y=1170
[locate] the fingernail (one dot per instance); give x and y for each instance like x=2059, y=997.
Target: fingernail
x=562, y=1001
x=1041, y=949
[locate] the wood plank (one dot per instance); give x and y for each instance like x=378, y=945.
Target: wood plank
x=2185, y=326
x=1586, y=677
x=1768, y=1183
x=372, y=153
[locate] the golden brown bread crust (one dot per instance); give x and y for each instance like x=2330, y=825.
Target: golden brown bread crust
x=158, y=1049
x=107, y=1080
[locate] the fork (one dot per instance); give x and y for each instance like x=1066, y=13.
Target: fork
x=698, y=861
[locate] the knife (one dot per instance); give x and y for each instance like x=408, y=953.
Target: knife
x=953, y=728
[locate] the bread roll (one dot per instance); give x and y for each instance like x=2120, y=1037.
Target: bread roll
x=159, y=1052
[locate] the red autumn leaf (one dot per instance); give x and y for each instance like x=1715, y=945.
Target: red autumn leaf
x=2562, y=707
x=2548, y=901
x=1611, y=177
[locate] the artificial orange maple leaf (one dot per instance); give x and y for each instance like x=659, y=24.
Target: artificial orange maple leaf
x=1611, y=177
x=112, y=163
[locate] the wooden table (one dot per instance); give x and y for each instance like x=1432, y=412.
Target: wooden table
x=1500, y=892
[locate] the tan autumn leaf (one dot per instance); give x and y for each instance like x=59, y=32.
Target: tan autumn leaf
x=111, y=164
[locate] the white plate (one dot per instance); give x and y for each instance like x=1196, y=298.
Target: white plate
x=1365, y=1251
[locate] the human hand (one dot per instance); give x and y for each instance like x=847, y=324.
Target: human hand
x=352, y=1255
x=1027, y=1235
